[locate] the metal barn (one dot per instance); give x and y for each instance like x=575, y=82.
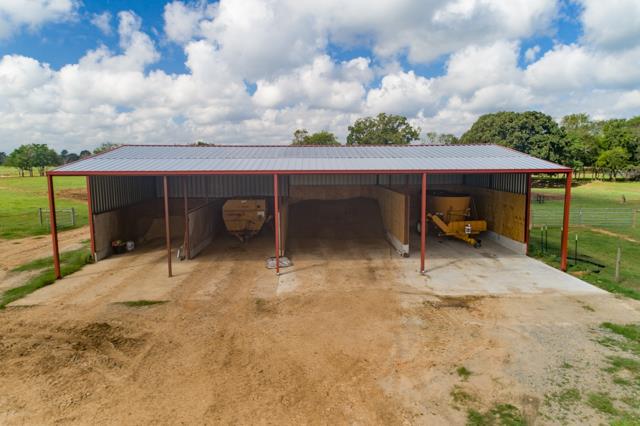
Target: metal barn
x=176, y=192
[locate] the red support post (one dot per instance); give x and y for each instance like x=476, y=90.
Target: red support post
x=53, y=225
x=565, y=224
x=276, y=220
x=527, y=214
x=187, y=247
x=92, y=232
x=423, y=223
x=167, y=225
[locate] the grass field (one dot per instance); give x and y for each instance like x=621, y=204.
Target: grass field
x=598, y=243
x=21, y=197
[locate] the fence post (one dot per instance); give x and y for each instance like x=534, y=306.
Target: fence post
x=580, y=217
x=40, y=215
x=618, y=256
x=73, y=216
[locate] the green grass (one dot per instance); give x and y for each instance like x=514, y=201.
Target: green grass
x=47, y=262
x=500, y=414
x=463, y=372
x=592, y=244
x=460, y=396
x=630, y=331
x=602, y=402
x=71, y=262
x=565, y=397
x=142, y=303
x=20, y=199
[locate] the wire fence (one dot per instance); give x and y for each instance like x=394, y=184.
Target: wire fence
x=603, y=217
x=37, y=217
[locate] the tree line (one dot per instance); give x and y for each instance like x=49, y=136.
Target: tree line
x=37, y=157
x=610, y=147
x=600, y=146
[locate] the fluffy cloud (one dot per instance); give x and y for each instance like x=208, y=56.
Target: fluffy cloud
x=15, y=14
x=321, y=84
x=611, y=24
x=258, y=69
x=103, y=22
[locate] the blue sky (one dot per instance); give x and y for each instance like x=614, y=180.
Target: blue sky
x=76, y=74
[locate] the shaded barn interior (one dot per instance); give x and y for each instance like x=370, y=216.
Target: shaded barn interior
x=347, y=206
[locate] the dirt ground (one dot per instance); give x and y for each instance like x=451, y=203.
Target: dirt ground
x=338, y=338
x=20, y=251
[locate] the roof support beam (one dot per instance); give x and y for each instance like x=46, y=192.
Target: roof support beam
x=53, y=225
x=187, y=245
x=527, y=214
x=92, y=232
x=423, y=224
x=276, y=219
x=167, y=225
x=565, y=223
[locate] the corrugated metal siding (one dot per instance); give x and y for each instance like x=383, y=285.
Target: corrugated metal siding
x=324, y=180
x=507, y=182
x=265, y=159
x=222, y=186
x=114, y=192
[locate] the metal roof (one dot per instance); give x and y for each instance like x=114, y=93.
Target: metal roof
x=177, y=159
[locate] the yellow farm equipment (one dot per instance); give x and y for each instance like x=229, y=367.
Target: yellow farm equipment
x=244, y=218
x=451, y=213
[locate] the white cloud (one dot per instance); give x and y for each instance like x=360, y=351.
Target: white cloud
x=321, y=84
x=15, y=14
x=103, y=22
x=611, y=23
x=285, y=48
x=531, y=53
x=182, y=21
x=402, y=93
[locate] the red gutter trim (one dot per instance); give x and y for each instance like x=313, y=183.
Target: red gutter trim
x=301, y=172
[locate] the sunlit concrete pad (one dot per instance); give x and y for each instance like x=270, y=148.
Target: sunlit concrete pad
x=455, y=268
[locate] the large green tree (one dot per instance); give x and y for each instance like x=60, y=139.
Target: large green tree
x=302, y=137
x=583, y=140
x=433, y=138
x=530, y=132
x=27, y=157
x=624, y=134
x=384, y=129
x=613, y=161
x=106, y=146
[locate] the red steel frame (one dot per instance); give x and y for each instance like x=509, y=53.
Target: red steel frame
x=92, y=232
x=564, y=244
x=167, y=225
x=53, y=225
x=276, y=220
x=565, y=228
x=423, y=223
x=527, y=214
x=187, y=245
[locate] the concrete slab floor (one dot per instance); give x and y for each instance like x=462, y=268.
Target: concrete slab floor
x=453, y=269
